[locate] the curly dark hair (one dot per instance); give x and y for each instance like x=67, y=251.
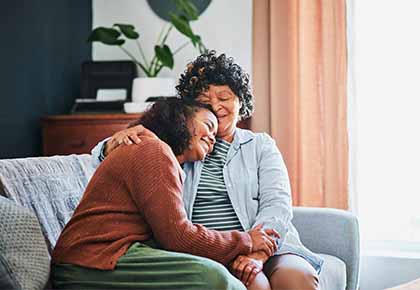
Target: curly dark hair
x=210, y=69
x=169, y=119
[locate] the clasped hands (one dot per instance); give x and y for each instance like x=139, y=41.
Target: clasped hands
x=246, y=268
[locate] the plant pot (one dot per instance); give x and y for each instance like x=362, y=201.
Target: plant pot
x=144, y=88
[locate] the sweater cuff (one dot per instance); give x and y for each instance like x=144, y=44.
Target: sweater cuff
x=101, y=156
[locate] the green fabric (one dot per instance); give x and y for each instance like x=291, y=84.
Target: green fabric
x=144, y=267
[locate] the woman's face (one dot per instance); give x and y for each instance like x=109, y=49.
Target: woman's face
x=203, y=128
x=226, y=105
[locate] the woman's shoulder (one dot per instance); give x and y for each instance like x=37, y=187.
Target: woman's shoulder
x=259, y=138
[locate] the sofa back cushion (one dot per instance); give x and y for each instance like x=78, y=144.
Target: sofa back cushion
x=51, y=187
x=24, y=262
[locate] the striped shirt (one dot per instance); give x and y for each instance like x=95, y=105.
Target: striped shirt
x=212, y=207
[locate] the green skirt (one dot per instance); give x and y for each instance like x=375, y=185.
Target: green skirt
x=144, y=267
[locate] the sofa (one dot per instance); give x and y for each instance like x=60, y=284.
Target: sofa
x=38, y=196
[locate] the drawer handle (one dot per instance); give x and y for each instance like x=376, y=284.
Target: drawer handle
x=78, y=144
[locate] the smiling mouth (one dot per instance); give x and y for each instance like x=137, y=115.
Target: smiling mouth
x=208, y=145
x=220, y=117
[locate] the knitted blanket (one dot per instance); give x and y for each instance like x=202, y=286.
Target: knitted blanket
x=50, y=187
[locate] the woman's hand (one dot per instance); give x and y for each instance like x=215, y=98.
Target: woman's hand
x=246, y=268
x=128, y=137
x=262, y=240
x=260, y=256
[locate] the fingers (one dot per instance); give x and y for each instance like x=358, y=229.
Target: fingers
x=266, y=249
x=246, y=273
x=272, y=243
x=236, y=263
x=269, y=233
x=262, y=239
x=252, y=276
x=261, y=243
x=134, y=138
x=272, y=232
x=269, y=247
x=238, y=266
x=128, y=136
x=246, y=269
x=240, y=270
x=127, y=141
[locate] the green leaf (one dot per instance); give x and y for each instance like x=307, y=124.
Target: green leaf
x=106, y=35
x=128, y=30
x=182, y=25
x=165, y=56
x=196, y=40
x=187, y=8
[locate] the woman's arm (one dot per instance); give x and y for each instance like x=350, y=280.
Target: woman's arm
x=127, y=136
x=275, y=201
x=97, y=153
x=155, y=185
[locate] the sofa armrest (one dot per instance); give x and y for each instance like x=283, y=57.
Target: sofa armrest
x=333, y=232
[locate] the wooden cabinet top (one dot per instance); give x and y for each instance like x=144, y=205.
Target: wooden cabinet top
x=90, y=117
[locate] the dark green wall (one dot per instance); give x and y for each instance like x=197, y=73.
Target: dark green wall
x=43, y=43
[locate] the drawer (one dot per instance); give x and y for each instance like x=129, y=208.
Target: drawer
x=63, y=139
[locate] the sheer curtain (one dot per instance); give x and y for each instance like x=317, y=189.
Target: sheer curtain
x=300, y=71
x=386, y=61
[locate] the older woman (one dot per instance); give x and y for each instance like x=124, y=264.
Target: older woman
x=243, y=182
x=134, y=200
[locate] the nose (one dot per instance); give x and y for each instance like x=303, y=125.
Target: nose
x=215, y=104
x=212, y=138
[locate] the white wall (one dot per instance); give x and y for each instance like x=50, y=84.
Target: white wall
x=225, y=26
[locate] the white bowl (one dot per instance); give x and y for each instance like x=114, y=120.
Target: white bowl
x=132, y=108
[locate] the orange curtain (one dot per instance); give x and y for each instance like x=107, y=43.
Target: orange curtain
x=299, y=80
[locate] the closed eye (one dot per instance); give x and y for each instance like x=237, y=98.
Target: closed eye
x=210, y=125
x=224, y=95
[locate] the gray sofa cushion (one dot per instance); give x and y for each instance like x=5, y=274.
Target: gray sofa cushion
x=333, y=232
x=51, y=187
x=24, y=262
x=333, y=273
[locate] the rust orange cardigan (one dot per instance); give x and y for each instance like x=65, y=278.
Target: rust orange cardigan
x=134, y=195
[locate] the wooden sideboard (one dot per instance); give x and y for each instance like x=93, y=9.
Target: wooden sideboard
x=76, y=134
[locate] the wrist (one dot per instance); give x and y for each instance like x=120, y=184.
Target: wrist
x=103, y=152
x=251, y=244
x=260, y=256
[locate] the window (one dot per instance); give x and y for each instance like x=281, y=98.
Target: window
x=384, y=62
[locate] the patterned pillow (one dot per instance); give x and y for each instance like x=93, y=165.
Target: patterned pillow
x=24, y=259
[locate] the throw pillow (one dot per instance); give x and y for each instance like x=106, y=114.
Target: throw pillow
x=24, y=259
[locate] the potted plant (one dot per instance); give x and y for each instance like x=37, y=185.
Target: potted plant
x=119, y=34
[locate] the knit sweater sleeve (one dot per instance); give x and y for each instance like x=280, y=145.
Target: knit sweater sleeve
x=157, y=191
